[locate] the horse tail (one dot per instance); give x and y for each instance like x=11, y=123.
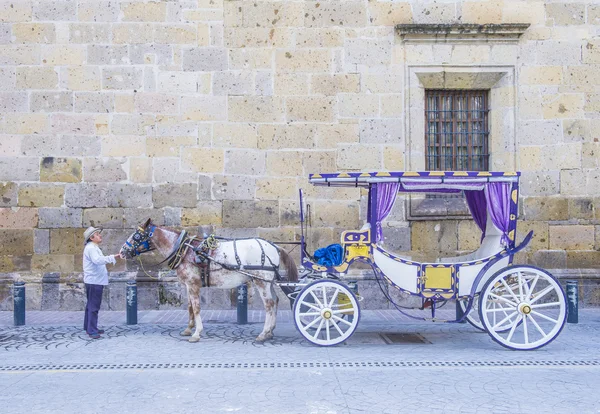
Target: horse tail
x=286, y=260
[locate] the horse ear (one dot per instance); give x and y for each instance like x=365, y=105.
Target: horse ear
x=147, y=223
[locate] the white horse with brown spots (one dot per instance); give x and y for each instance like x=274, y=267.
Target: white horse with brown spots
x=230, y=264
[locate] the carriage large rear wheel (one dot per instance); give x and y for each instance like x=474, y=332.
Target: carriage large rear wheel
x=529, y=300
x=326, y=312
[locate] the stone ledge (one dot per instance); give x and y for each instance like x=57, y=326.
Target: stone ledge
x=499, y=33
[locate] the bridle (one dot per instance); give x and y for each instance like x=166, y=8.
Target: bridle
x=141, y=239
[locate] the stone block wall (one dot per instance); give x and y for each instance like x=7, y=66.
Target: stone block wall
x=209, y=114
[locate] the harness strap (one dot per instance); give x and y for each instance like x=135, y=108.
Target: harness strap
x=237, y=258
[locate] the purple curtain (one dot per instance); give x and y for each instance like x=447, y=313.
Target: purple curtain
x=497, y=196
x=478, y=206
x=386, y=195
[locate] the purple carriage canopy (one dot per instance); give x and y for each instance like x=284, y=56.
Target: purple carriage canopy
x=487, y=192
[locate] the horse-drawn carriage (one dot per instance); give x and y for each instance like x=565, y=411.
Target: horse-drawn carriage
x=520, y=306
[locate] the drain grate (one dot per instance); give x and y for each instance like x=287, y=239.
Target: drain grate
x=403, y=338
x=279, y=365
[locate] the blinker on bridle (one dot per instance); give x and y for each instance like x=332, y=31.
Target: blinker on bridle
x=141, y=238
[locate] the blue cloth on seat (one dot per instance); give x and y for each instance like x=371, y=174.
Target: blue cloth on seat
x=331, y=255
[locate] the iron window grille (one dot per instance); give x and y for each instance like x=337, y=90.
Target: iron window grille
x=456, y=130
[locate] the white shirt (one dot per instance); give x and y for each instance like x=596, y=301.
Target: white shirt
x=94, y=265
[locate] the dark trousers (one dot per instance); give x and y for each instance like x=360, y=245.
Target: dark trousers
x=94, y=300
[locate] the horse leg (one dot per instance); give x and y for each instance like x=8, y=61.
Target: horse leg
x=194, y=299
x=270, y=302
x=191, y=322
x=275, y=307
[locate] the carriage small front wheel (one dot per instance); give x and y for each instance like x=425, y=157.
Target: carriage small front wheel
x=326, y=312
x=527, y=299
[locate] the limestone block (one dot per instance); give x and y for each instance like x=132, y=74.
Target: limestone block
x=172, y=216
x=358, y=105
x=276, y=188
x=530, y=158
x=20, y=54
x=64, y=123
x=557, y=53
x=550, y=259
x=53, y=263
x=106, y=218
x=104, y=170
x=250, y=213
x=19, y=169
x=81, y=78
x=393, y=157
x=129, y=195
x=132, y=33
x=545, y=208
x=41, y=195
x=36, y=77
x=310, y=109
x=144, y=12
x=34, y=33
x=93, y=33
x=175, y=195
x=434, y=236
x=289, y=212
x=208, y=213
x=39, y=145
x=249, y=162
x=134, y=217
x=537, y=132
x=60, y=55
x=541, y=75
x=318, y=161
x=16, y=241
x=51, y=101
x=75, y=145
x=8, y=194
x=67, y=170
x=107, y=54
x=482, y=12
x=204, y=108
x=583, y=259
x=13, y=102
x=258, y=37
x=389, y=14
x=20, y=11
x=284, y=163
x=573, y=182
x=529, y=103
x=286, y=136
x=368, y=52
x=50, y=217
x=167, y=170
x=303, y=60
x=55, y=10
x=177, y=82
x=41, y=241
x=167, y=146
x=239, y=135
x=175, y=34
x=540, y=183
x=592, y=102
x=233, y=187
x=250, y=58
x=101, y=11
x=335, y=214
x=134, y=124
x=581, y=208
x=572, y=237
x=151, y=53
x=358, y=157
x=272, y=14
x=565, y=14
x=205, y=59
x=434, y=13
x=156, y=102
x=381, y=131
x=590, y=155
x=100, y=102
x=382, y=83
x=392, y=106
x=541, y=238
x=8, y=76
x=591, y=50
x=264, y=83
x=331, y=13
x=233, y=83
x=140, y=170
x=121, y=78
x=68, y=241
x=87, y=195
x=18, y=217
x=320, y=37
x=397, y=239
x=330, y=135
x=291, y=83
x=206, y=160
x=255, y=109
x=562, y=156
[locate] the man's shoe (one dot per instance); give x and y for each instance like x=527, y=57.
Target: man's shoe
x=100, y=331
x=95, y=336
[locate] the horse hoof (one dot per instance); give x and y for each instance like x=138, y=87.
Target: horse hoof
x=187, y=332
x=261, y=338
x=194, y=339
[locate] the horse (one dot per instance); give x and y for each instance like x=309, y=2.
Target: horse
x=228, y=264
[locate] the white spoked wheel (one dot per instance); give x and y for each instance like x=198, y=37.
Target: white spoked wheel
x=527, y=300
x=326, y=312
x=473, y=316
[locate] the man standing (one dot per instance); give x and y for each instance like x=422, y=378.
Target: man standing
x=95, y=277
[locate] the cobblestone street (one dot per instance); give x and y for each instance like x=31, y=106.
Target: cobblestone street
x=50, y=365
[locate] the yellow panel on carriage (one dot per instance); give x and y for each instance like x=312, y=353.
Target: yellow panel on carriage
x=438, y=278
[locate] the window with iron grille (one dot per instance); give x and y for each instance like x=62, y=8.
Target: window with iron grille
x=456, y=130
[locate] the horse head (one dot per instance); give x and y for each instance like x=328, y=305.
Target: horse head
x=139, y=241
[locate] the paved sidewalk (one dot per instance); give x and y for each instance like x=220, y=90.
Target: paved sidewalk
x=50, y=365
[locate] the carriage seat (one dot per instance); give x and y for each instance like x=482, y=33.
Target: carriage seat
x=490, y=245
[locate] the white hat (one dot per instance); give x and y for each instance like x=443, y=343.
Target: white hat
x=89, y=233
